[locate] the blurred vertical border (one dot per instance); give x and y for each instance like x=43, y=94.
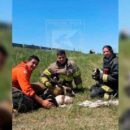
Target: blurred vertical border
x=5, y=76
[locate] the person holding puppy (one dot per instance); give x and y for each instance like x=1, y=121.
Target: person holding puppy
x=60, y=74
x=107, y=78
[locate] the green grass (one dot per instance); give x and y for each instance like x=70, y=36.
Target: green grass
x=124, y=61
x=72, y=117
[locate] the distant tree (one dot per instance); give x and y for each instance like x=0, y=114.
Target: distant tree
x=91, y=52
x=124, y=35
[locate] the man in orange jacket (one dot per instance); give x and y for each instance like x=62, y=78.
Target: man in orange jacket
x=23, y=92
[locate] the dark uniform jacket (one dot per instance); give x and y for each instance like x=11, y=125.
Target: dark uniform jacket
x=110, y=72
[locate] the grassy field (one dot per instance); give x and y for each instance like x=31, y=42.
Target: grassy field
x=72, y=117
x=124, y=62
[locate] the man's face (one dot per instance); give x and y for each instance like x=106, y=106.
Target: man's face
x=61, y=58
x=106, y=52
x=32, y=64
x=2, y=60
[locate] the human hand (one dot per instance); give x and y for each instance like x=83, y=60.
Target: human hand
x=47, y=103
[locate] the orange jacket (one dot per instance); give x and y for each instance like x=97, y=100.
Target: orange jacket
x=21, y=79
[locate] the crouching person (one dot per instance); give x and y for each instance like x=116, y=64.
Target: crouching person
x=58, y=77
x=107, y=78
x=25, y=96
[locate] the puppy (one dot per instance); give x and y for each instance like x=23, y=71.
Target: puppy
x=67, y=97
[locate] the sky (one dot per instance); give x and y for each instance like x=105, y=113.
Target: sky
x=6, y=11
x=68, y=24
x=124, y=14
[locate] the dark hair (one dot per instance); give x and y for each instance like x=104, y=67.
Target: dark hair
x=61, y=52
x=33, y=57
x=3, y=51
x=109, y=48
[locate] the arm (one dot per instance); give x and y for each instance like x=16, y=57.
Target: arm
x=44, y=103
x=45, y=78
x=23, y=80
x=113, y=77
x=26, y=87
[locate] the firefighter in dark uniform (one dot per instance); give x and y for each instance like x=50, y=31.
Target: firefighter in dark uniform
x=61, y=73
x=107, y=78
